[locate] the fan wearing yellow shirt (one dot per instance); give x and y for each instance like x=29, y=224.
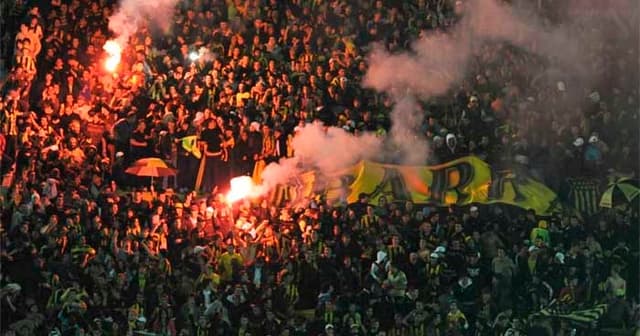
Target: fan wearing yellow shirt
x=540, y=235
x=229, y=263
x=242, y=96
x=395, y=250
x=370, y=220
x=136, y=310
x=456, y=321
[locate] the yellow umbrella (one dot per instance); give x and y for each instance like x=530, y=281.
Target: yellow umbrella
x=151, y=162
x=621, y=190
x=150, y=167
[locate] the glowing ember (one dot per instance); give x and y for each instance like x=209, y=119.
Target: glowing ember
x=114, y=50
x=241, y=187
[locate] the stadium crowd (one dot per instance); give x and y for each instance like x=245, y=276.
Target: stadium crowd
x=85, y=250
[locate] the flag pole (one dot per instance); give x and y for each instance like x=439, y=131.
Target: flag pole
x=200, y=176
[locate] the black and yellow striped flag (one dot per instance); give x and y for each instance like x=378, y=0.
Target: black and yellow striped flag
x=583, y=317
x=586, y=316
x=584, y=195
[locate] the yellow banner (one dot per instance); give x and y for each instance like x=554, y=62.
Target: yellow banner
x=461, y=182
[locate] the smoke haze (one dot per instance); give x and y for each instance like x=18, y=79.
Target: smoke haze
x=438, y=61
x=132, y=14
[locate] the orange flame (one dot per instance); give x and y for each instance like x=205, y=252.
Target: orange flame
x=114, y=50
x=241, y=187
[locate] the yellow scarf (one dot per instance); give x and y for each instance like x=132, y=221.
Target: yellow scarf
x=268, y=145
x=418, y=330
x=292, y=293
x=328, y=317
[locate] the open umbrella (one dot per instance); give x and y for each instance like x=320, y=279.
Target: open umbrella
x=621, y=190
x=150, y=167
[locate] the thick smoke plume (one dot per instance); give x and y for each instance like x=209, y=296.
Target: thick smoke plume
x=133, y=14
x=405, y=143
x=331, y=149
x=325, y=150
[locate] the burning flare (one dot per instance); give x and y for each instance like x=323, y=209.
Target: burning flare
x=241, y=187
x=114, y=50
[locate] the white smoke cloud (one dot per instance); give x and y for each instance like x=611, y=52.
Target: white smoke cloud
x=332, y=149
x=438, y=60
x=406, y=144
x=133, y=14
x=325, y=150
